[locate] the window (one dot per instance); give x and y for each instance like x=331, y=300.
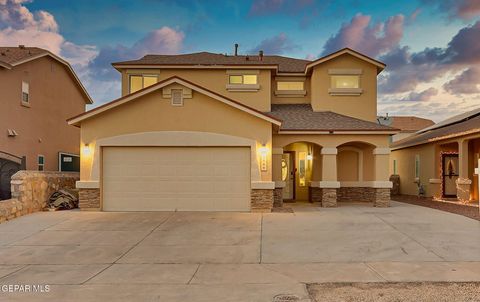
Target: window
x=345, y=81
x=41, y=162
x=302, y=169
x=417, y=167
x=245, y=79
x=25, y=93
x=290, y=86
x=395, y=172
x=138, y=82
x=177, y=97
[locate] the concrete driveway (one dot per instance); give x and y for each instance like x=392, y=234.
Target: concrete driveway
x=181, y=256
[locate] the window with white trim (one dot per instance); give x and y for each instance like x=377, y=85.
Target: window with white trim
x=290, y=86
x=243, y=79
x=395, y=172
x=41, y=162
x=25, y=93
x=345, y=82
x=140, y=81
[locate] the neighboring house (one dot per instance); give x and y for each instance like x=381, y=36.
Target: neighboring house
x=39, y=91
x=407, y=125
x=442, y=158
x=209, y=131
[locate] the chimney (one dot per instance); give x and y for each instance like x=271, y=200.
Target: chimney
x=260, y=55
x=21, y=46
x=236, y=49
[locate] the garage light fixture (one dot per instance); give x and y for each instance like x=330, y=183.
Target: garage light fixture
x=86, y=150
x=263, y=157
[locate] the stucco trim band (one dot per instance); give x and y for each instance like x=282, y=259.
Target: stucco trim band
x=435, y=181
x=263, y=185
x=87, y=184
x=277, y=151
x=326, y=184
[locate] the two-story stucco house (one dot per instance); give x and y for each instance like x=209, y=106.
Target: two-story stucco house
x=38, y=92
x=207, y=131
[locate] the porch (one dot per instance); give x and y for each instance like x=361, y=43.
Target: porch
x=328, y=170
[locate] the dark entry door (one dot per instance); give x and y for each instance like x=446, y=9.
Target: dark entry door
x=450, y=174
x=7, y=169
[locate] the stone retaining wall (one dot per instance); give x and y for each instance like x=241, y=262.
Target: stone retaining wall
x=356, y=194
x=31, y=190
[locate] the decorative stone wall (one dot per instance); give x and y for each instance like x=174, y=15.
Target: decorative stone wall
x=278, y=198
x=463, y=189
x=395, y=179
x=382, y=198
x=31, y=190
x=329, y=197
x=315, y=194
x=89, y=199
x=356, y=194
x=262, y=200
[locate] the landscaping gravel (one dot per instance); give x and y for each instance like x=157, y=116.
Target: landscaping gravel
x=389, y=292
x=465, y=210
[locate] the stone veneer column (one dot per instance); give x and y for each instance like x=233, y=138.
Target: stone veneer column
x=278, y=194
x=382, y=185
x=463, y=182
x=262, y=196
x=329, y=183
x=88, y=195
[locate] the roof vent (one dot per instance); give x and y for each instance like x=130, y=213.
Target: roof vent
x=247, y=58
x=3, y=53
x=12, y=133
x=21, y=46
x=260, y=55
x=236, y=49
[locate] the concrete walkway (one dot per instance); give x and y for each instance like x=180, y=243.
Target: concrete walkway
x=94, y=256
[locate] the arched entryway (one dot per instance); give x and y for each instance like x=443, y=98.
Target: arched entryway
x=296, y=166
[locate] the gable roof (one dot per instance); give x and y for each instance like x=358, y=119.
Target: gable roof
x=406, y=124
x=460, y=125
x=14, y=56
x=301, y=117
x=130, y=97
x=346, y=50
x=214, y=60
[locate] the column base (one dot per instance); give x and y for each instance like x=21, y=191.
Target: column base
x=278, y=198
x=329, y=197
x=463, y=189
x=381, y=198
x=315, y=194
x=261, y=200
x=89, y=199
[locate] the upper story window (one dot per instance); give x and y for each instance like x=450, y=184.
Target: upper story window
x=345, y=82
x=243, y=80
x=290, y=87
x=137, y=82
x=25, y=94
x=41, y=163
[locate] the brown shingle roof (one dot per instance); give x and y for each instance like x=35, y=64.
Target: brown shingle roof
x=467, y=126
x=12, y=55
x=406, y=123
x=212, y=59
x=301, y=117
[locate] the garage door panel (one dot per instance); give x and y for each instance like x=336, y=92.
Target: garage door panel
x=180, y=178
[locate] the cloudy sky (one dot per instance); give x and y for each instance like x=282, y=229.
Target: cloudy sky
x=431, y=47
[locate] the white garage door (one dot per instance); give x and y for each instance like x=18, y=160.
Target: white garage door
x=176, y=178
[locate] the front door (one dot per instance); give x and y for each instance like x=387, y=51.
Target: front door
x=450, y=174
x=288, y=175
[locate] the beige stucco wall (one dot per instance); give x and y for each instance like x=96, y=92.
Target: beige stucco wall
x=42, y=128
x=347, y=165
x=152, y=113
x=363, y=106
x=215, y=80
x=406, y=168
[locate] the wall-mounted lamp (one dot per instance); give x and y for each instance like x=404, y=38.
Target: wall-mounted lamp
x=86, y=149
x=263, y=157
x=309, y=156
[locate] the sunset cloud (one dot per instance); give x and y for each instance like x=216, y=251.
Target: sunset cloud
x=276, y=45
